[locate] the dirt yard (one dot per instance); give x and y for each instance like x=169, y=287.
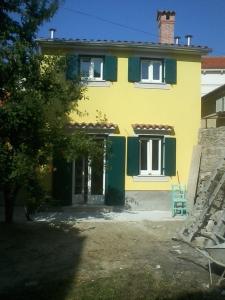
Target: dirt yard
x=100, y=260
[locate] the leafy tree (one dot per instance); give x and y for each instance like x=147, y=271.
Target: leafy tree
x=35, y=101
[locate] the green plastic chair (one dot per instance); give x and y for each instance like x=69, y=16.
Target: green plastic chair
x=179, y=202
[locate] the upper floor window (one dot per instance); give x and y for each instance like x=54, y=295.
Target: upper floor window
x=91, y=68
x=151, y=70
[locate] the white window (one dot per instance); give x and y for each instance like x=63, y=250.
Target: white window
x=150, y=156
x=91, y=68
x=220, y=105
x=151, y=70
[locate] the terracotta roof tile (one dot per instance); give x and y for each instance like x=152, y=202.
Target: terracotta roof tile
x=95, y=126
x=155, y=127
x=213, y=62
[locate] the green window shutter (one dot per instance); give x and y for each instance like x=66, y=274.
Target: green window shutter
x=62, y=181
x=170, y=156
x=132, y=156
x=134, y=69
x=110, y=68
x=171, y=71
x=72, y=67
x=115, y=171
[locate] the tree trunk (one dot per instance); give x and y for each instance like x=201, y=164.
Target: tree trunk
x=27, y=213
x=9, y=204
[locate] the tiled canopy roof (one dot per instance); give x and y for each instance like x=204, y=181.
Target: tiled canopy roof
x=110, y=127
x=213, y=62
x=154, y=127
x=94, y=126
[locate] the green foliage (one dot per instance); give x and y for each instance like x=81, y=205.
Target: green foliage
x=35, y=98
x=33, y=117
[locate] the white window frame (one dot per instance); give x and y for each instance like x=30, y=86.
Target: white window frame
x=91, y=68
x=150, y=71
x=149, y=171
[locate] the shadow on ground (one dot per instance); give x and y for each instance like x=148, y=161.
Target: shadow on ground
x=38, y=260
x=70, y=214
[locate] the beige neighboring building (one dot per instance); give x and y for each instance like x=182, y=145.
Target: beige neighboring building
x=213, y=108
x=212, y=74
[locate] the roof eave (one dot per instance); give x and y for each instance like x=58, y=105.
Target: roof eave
x=219, y=69
x=125, y=46
x=218, y=92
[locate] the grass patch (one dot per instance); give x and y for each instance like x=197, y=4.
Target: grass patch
x=121, y=285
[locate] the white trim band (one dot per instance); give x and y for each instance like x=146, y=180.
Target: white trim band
x=142, y=178
x=161, y=86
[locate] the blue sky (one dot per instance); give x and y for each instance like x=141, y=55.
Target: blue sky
x=136, y=20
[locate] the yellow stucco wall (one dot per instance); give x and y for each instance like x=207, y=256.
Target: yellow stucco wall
x=125, y=105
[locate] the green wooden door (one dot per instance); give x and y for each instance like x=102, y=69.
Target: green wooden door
x=62, y=181
x=115, y=171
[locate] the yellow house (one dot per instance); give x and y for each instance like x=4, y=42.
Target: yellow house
x=150, y=94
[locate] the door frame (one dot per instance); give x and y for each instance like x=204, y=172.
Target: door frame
x=91, y=199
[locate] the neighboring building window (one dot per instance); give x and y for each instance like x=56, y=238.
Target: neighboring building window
x=91, y=68
x=150, y=156
x=220, y=105
x=151, y=70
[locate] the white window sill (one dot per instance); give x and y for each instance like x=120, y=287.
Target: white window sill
x=148, y=85
x=98, y=83
x=143, y=178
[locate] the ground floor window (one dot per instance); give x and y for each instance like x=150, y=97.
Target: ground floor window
x=150, y=156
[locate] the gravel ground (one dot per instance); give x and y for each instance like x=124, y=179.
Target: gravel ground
x=124, y=216
x=69, y=254
x=94, y=214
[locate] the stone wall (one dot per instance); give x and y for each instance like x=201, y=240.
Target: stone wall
x=207, y=215
x=212, y=141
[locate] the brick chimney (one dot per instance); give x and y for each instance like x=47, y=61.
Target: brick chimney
x=166, y=20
